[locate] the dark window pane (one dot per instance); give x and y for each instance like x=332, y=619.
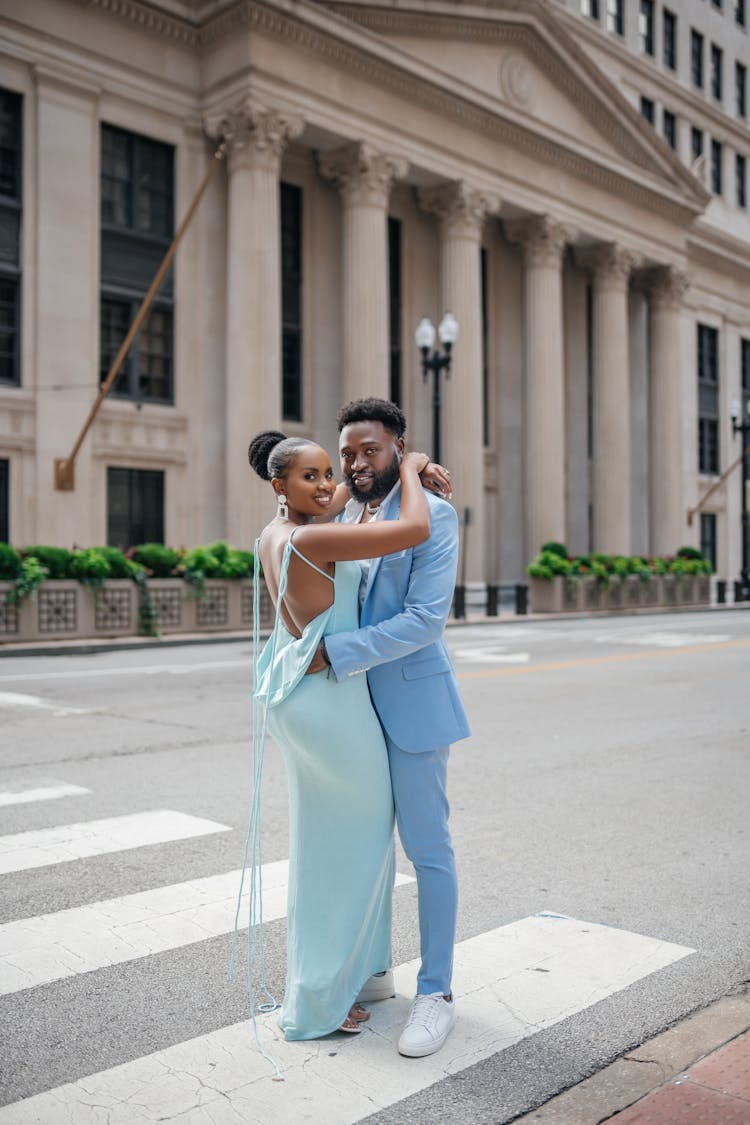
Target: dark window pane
x=669, y=122
x=708, y=399
x=394, y=307
x=717, y=80
x=485, y=351
x=4, y=501
x=291, y=302
x=154, y=357
x=10, y=144
x=646, y=26
x=740, y=177
x=740, y=86
x=717, y=156
x=708, y=537
x=739, y=12
x=115, y=320
x=135, y=507
x=9, y=330
x=696, y=142
x=647, y=109
x=137, y=183
x=590, y=8
x=615, y=16
x=669, y=39
x=696, y=58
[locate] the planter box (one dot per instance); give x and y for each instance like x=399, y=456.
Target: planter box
x=66, y=610
x=560, y=595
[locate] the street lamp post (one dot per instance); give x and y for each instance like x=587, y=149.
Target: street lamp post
x=436, y=362
x=742, y=426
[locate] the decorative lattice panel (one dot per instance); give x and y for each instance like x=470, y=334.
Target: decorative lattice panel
x=113, y=609
x=592, y=595
x=651, y=592
x=8, y=618
x=167, y=607
x=58, y=611
x=570, y=593
x=213, y=608
x=670, y=593
x=633, y=593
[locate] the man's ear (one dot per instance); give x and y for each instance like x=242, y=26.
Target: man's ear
x=400, y=445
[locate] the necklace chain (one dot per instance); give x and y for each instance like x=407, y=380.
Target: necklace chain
x=372, y=511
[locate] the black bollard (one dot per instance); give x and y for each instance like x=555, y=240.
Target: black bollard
x=492, y=598
x=739, y=593
x=522, y=598
x=459, y=602
x=721, y=591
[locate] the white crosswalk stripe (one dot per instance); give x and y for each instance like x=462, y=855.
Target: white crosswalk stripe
x=25, y=850
x=49, y=792
x=510, y=983
x=51, y=947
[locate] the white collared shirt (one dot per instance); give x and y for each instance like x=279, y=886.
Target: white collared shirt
x=352, y=513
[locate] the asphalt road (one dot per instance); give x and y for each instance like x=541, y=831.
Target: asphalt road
x=607, y=780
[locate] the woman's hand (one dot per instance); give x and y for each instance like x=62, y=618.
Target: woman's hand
x=437, y=479
x=416, y=461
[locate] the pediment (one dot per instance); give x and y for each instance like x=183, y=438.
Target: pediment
x=519, y=61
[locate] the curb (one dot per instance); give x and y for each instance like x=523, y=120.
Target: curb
x=657, y=1061
x=91, y=645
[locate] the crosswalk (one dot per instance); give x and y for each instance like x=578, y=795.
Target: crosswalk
x=511, y=982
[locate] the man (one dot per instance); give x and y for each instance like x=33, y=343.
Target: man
x=405, y=599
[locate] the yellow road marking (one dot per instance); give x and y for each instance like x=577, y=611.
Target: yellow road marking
x=612, y=658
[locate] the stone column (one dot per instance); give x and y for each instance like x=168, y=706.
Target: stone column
x=666, y=501
x=611, y=266
x=255, y=139
x=364, y=178
x=461, y=212
x=543, y=242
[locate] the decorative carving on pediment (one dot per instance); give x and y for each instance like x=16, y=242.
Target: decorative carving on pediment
x=610, y=263
x=542, y=238
x=666, y=285
x=253, y=133
x=363, y=176
x=516, y=83
x=460, y=208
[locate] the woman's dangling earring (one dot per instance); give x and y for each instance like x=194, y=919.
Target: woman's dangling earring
x=282, y=511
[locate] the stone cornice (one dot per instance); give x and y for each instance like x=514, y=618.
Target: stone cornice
x=707, y=247
x=150, y=18
x=364, y=177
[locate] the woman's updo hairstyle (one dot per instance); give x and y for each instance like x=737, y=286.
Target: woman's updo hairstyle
x=271, y=453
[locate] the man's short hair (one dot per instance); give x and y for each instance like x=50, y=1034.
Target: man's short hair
x=391, y=416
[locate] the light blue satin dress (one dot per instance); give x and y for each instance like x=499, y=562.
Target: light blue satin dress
x=340, y=817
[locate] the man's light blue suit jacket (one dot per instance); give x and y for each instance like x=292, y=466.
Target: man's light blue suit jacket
x=400, y=641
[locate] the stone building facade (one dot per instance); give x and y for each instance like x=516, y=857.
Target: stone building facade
x=567, y=177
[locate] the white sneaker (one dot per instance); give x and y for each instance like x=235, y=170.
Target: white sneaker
x=427, y=1028
x=379, y=987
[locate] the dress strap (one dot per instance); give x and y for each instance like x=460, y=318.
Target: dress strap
x=304, y=559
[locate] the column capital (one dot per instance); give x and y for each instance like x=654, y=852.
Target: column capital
x=610, y=263
x=460, y=208
x=253, y=133
x=542, y=238
x=363, y=176
x=666, y=285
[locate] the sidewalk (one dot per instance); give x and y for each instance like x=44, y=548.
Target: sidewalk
x=695, y=1073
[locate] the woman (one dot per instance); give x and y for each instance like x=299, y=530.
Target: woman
x=341, y=806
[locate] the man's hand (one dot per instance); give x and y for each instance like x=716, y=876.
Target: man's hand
x=437, y=479
x=317, y=664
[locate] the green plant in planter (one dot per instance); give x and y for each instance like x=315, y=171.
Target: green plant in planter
x=10, y=563
x=554, y=548
x=90, y=567
x=57, y=561
x=690, y=553
x=30, y=577
x=548, y=565
x=158, y=560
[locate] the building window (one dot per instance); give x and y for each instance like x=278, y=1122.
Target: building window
x=137, y=189
x=708, y=537
x=717, y=57
x=696, y=143
x=485, y=349
x=740, y=179
x=4, y=501
x=740, y=89
x=646, y=26
x=647, y=109
x=717, y=156
x=718, y=4
x=739, y=12
x=669, y=39
x=291, y=302
x=590, y=8
x=696, y=58
x=708, y=399
x=745, y=383
x=615, y=21
x=10, y=238
x=669, y=126
x=135, y=507
x=394, y=308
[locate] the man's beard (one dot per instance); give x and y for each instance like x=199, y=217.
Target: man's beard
x=380, y=485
